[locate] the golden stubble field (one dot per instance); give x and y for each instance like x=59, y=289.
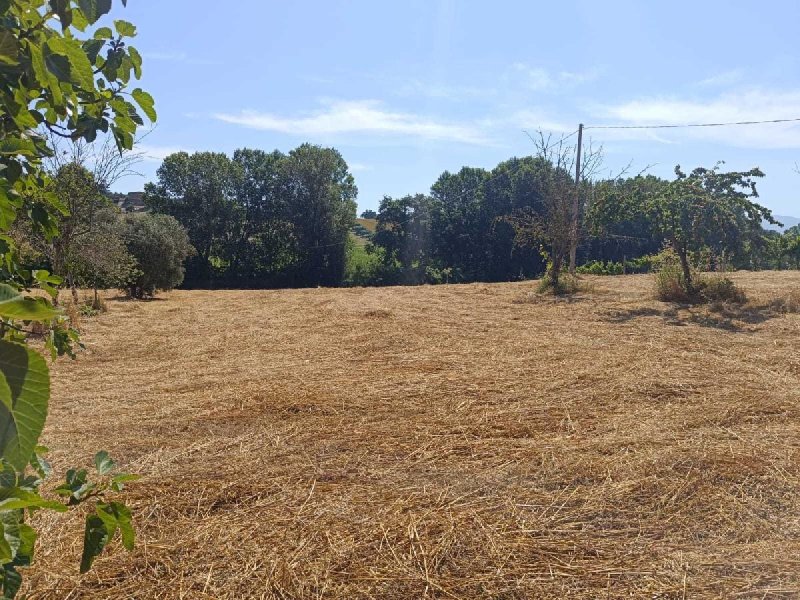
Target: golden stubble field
x=438, y=442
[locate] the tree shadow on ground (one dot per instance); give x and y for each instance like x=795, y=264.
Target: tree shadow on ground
x=735, y=318
x=125, y=298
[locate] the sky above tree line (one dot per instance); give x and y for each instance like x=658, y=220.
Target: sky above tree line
x=406, y=90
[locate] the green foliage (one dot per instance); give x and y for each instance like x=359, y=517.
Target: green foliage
x=199, y=191
x=267, y=218
x=599, y=267
x=364, y=265
x=369, y=214
x=640, y=264
x=160, y=246
x=403, y=234
x=54, y=76
x=671, y=286
x=704, y=209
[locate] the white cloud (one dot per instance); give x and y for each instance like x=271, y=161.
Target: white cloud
x=357, y=166
x=751, y=105
x=359, y=117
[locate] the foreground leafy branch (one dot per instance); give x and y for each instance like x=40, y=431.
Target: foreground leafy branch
x=55, y=76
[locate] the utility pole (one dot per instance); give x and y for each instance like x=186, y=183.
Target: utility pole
x=573, y=243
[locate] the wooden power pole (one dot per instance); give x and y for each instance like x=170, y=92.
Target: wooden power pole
x=573, y=243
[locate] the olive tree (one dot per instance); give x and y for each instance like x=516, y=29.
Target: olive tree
x=159, y=245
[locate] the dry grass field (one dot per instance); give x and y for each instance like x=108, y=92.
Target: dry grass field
x=438, y=442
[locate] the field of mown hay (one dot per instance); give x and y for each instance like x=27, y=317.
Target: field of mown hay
x=458, y=441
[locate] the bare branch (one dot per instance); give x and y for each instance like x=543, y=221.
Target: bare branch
x=103, y=159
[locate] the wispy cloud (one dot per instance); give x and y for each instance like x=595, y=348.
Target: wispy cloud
x=750, y=105
x=180, y=57
x=543, y=80
x=359, y=117
x=357, y=166
x=725, y=78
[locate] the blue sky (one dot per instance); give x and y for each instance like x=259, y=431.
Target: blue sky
x=408, y=89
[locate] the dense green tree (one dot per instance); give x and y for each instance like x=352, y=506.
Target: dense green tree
x=160, y=245
x=262, y=247
x=455, y=220
x=705, y=208
x=790, y=246
x=616, y=230
x=403, y=232
x=319, y=194
x=199, y=190
x=369, y=214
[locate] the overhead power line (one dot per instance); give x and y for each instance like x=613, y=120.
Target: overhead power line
x=692, y=124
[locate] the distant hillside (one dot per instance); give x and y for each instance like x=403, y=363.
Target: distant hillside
x=368, y=224
x=362, y=231
x=787, y=222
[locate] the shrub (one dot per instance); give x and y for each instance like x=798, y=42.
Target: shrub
x=789, y=303
x=567, y=284
x=160, y=245
x=671, y=285
x=641, y=264
x=435, y=274
x=599, y=267
x=719, y=289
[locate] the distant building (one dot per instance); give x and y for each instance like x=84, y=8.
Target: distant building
x=132, y=202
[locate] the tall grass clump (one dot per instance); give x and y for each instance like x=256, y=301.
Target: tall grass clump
x=671, y=284
x=566, y=284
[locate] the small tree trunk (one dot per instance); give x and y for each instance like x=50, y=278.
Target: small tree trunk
x=555, y=271
x=687, y=271
x=73, y=288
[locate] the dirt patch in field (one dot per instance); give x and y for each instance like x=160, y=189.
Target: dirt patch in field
x=450, y=442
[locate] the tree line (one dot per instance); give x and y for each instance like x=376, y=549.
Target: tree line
x=268, y=219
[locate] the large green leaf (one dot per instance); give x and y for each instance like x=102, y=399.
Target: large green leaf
x=12, y=581
x=95, y=537
x=14, y=306
x=124, y=28
x=10, y=521
x=16, y=145
x=9, y=51
x=94, y=9
x=122, y=516
x=16, y=498
x=80, y=69
x=146, y=101
x=103, y=463
x=28, y=379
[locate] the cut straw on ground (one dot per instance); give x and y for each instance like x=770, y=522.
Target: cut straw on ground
x=438, y=442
